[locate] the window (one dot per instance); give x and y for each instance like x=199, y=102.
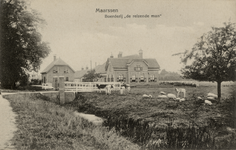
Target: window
x=138, y=68
x=133, y=77
x=120, y=78
x=66, y=71
x=141, y=78
x=55, y=71
x=67, y=78
x=152, y=77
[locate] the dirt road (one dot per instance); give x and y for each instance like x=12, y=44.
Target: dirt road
x=7, y=124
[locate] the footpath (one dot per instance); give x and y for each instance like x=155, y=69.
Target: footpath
x=7, y=124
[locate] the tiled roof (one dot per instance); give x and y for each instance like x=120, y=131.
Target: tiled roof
x=57, y=62
x=152, y=63
x=132, y=57
x=80, y=74
x=100, y=68
x=119, y=62
x=123, y=61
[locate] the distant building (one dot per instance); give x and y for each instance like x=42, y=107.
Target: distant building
x=132, y=68
x=78, y=76
x=98, y=69
x=101, y=70
x=57, y=68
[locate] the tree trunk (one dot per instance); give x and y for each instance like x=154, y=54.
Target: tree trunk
x=219, y=89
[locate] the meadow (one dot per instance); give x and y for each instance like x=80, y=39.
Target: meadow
x=131, y=121
x=164, y=123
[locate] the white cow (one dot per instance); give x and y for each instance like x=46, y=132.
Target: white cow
x=180, y=90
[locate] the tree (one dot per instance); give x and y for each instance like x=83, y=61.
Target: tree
x=90, y=76
x=213, y=57
x=21, y=45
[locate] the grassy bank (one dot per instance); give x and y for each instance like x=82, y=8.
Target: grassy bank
x=45, y=125
x=147, y=121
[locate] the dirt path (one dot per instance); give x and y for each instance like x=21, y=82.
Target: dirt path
x=7, y=124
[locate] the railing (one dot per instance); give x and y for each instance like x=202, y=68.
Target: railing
x=89, y=86
x=46, y=86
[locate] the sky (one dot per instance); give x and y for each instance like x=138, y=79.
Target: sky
x=79, y=35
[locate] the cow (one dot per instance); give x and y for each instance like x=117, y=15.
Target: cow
x=106, y=87
x=101, y=86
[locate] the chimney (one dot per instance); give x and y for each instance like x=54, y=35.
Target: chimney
x=111, y=56
x=86, y=68
x=95, y=64
x=141, y=53
x=55, y=57
x=120, y=55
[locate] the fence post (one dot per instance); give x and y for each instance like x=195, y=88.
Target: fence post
x=62, y=89
x=55, y=82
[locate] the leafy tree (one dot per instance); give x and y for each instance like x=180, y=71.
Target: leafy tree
x=213, y=57
x=90, y=76
x=165, y=75
x=21, y=46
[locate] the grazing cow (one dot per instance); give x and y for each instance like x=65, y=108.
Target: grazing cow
x=101, y=86
x=180, y=90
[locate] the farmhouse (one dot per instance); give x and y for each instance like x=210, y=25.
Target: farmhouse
x=57, y=68
x=133, y=68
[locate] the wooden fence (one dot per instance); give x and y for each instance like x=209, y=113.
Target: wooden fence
x=89, y=86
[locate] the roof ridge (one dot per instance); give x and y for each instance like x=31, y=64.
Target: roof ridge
x=58, y=62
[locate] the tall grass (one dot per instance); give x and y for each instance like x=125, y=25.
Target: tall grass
x=45, y=125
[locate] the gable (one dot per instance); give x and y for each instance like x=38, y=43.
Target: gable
x=57, y=62
x=61, y=69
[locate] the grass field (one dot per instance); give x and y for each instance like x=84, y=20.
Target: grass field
x=45, y=125
x=147, y=123
x=156, y=123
